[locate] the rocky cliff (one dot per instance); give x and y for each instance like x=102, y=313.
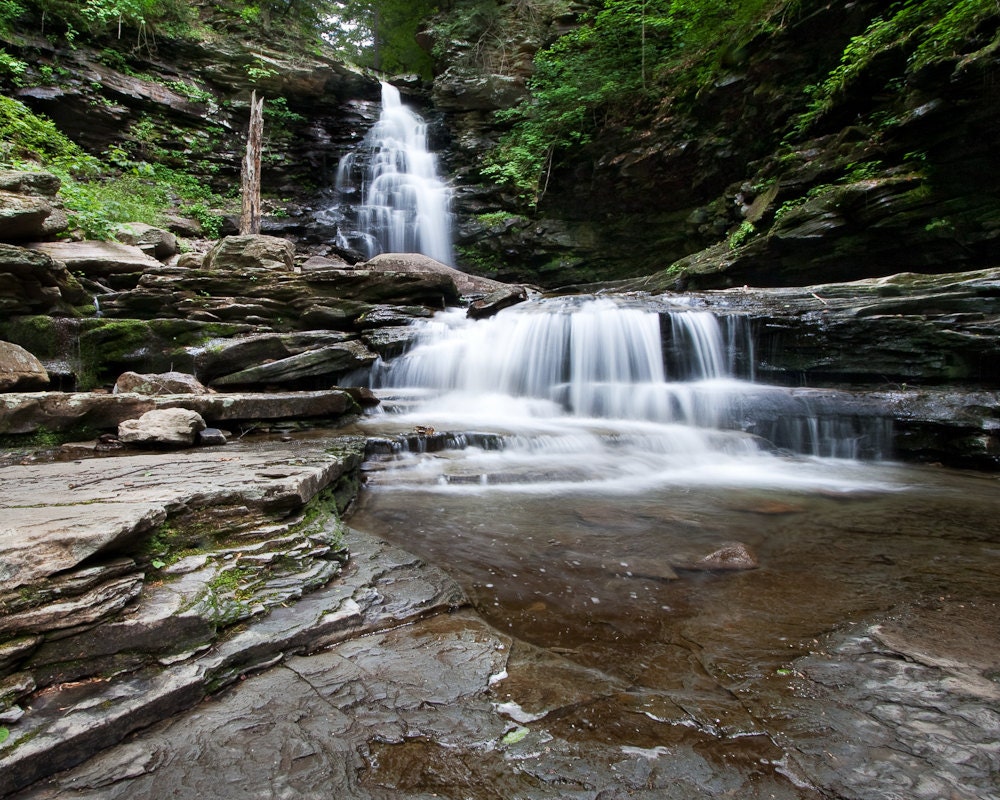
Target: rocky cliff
x=744, y=176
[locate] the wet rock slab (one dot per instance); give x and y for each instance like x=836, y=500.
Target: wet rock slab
x=382, y=588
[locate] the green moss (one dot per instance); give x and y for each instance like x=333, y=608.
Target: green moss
x=37, y=334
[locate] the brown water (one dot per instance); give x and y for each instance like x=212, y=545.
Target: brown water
x=740, y=660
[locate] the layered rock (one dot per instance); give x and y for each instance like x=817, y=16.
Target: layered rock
x=29, y=206
x=24, y=413
x=34, y=283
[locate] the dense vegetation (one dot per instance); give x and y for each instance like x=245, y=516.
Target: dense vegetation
x=629, y=57
x=144, y=173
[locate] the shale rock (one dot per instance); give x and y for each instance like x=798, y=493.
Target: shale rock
x=166, y=427
x=32, y=283
x=64, y=411
x=29, y=209
x=115, y=264
x=322, y=365
x=19, y=370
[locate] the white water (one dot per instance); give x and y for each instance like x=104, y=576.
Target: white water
x=404, y=205
x=580, y=392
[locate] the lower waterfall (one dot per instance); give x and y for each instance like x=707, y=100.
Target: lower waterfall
x=574, y=390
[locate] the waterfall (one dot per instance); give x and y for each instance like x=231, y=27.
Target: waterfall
x=404, y=206
x=615, y=369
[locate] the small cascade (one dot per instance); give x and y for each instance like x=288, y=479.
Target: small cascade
x=400, y=205
x=582, y=379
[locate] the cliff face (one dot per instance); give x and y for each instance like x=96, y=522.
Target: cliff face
x=732, y=181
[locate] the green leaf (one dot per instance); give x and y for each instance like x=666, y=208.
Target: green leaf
x=4, y=735
x=157, y=564
x=514, y=736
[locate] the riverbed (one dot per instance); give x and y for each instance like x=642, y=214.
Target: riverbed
x=860, y=657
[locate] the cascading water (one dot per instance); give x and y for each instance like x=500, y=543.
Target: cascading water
x=403, y=206
x=577, y=388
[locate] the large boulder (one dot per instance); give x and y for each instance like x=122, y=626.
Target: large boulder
x=417, y=264
x=19, y=370
x=163, y=427
x=251, y=252
x=155, y=242
x=28, y=206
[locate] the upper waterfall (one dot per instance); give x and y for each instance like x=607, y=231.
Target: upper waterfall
x=404, y=206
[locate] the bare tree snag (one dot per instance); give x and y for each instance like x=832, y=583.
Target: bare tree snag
x=250, y=182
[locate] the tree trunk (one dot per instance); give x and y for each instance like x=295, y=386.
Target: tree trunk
x=250, y=183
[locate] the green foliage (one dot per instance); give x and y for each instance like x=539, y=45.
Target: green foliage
x=98, y=17
x=380, y=34
x=278, y=112
x=925, y=30
x=27, y=138
x=13, y=67
x=96, y=203
x=740, y=236
x=614, y=68
x=4, y=735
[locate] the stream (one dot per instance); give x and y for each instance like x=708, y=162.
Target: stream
x=842, y=643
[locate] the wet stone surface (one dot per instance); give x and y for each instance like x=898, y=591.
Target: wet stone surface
x=858, y=659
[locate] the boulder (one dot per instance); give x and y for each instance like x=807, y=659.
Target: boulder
x=155, y=242
x=164, y=383
x=497, y=301
x=170, y=427
x=251, y=252
x=20, y=371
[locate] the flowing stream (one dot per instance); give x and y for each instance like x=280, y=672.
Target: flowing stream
x=570, y=462
x=399, y=203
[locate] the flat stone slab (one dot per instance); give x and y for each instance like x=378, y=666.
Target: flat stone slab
x=27, y=412
x=382, y=588
x=55, y=515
